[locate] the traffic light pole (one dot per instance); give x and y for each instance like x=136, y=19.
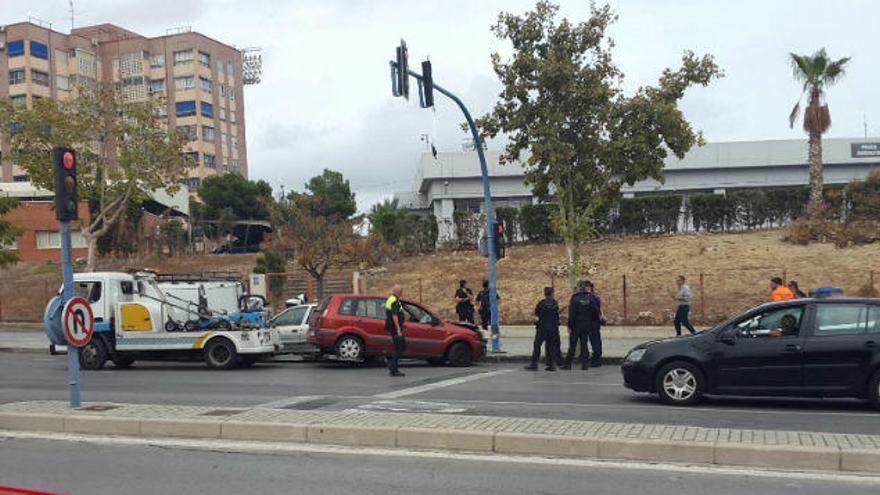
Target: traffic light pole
x=487, y=202
x=67, y=294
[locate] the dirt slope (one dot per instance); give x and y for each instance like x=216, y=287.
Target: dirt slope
x=736, y=270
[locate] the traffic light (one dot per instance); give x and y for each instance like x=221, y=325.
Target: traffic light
x=498, y=239
x=428, y=86
x=403, y=70
x=64, y=166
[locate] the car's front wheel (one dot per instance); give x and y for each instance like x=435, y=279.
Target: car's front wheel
x=680, y=383
x=460, y=354
x=874, y=389
x=350, y=348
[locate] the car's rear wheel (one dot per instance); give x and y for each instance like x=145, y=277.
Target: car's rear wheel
x=460, y=354
x=680, y=383
x=93, y=355
x=350, y=348
x=220, y=354
x=874, y=389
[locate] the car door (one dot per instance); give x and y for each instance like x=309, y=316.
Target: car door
x=423, y=338
x=290, y=326
x=754, y=362
x=369, y=315
x=839, y=352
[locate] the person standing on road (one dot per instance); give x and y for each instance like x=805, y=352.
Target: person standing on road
x=464, y=302
x=682, y=299
x=578, y=325
x=596, y=320
x=485, y=307
x=546, y=331
x=778, y=290
x=394, y=325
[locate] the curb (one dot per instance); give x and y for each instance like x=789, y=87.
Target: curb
x=719, y=453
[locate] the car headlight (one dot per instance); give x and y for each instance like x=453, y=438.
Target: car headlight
x=635, y=355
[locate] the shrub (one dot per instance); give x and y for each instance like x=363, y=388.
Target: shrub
x=536, y=223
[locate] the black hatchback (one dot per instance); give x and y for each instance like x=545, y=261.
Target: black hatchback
x=828, y=347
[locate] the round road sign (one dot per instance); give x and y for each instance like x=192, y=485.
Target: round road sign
x=79, y=322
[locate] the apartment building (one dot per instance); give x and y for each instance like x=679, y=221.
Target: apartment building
x=198, y=79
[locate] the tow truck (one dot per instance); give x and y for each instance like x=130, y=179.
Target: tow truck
x=137, y=317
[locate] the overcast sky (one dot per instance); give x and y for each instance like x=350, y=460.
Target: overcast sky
x=325, y=99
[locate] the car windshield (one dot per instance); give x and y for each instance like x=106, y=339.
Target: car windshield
x=417, y=313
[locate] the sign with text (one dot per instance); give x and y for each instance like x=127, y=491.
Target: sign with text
x=865, y=150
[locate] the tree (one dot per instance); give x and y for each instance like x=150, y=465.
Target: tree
x=330, y=194
x=8, y=234
x=561, y=101
x=124, y=149
x=816, y=72
x=247, y=200
x=408, y=231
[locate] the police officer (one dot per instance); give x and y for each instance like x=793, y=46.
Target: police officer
x=394, y=325
x=594, y=331
x=485, y=307
x=464, y=302
x=546, y=331
x=578, y=325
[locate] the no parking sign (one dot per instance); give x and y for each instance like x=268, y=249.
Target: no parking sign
x=79, y=322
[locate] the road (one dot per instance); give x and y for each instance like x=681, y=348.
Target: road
x=498, y=389
x=95, y=468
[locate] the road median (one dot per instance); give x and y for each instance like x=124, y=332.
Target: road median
x=772, y=450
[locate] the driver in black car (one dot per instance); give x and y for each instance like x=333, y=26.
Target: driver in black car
x=787, y=327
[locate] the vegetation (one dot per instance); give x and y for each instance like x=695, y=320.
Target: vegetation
x=817, y=72
x=408, y=231
x=565, y=115
x=8, y=234
x=124, y=149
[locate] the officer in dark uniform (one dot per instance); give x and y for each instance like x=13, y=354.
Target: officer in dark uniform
x=394, y=319
x=546, y=331
x=464, y=302
x=485, y=307
x=578, y=325
x=594, y=331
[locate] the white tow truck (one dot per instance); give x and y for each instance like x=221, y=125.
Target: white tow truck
x=135, y=319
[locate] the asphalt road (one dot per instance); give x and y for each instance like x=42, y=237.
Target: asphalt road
x=497, y=389
x=94, y=469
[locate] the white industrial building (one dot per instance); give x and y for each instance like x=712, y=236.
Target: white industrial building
x=452, y=181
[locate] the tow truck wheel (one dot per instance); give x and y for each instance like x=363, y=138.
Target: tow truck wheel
x=93, y=355
x=220, y=354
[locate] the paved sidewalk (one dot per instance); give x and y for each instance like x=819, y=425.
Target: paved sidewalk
x=796, y=450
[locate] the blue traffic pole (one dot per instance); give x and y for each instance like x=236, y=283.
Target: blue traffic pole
x=487, y=204
x=67, y=294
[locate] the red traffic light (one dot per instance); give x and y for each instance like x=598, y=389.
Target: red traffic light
x=499, y=227
x=67, y=160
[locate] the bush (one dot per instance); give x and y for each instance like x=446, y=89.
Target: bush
x=536, y=225
x=711, y=212
x=655, y=214
x=468, y=228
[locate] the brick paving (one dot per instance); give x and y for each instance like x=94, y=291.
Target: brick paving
x=488, y=424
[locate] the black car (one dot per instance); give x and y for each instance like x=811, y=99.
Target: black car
x=827, y=347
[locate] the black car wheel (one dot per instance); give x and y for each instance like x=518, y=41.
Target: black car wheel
x=460, y=354
x=874, y=389
x=680, y=383
x=220, y=354
x=93, y=355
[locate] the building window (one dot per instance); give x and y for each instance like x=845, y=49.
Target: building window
x=232, y=117
x=184, y=83
x=229, y=69
x=192, y=183
x=235, y=142
x=222, y=113
x=205, y=84
x=207, y=134
x=209, y=161
x=183, y=57
x=190, y=131
x=21, y=178
x=235, y=167
x=185, y=108
x=231, y=92
x=219, y=67
x=224, y=138
x=157, y=61
x=39, y=50
x=39, y=77
x=15, y=48
x=157, y=85
x=16, y=76
x=207, y=110
x=222, y=90
x=205, y=59
x=133, y=81
x=62, y=83
x=192, y=158
x=51, y=239
x=131, y=63
x=225, y=164
x=18, y=101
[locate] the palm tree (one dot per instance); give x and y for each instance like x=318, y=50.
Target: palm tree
x=817, y=72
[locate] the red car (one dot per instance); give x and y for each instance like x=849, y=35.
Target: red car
x=352, y=326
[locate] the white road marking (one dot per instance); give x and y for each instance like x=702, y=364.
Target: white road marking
x=288, y=401
x=412, y=406
x=441, y=384
x=270, y=448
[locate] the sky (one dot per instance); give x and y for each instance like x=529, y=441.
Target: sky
x=325, y=97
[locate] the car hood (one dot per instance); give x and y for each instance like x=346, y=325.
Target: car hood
x=669, y=340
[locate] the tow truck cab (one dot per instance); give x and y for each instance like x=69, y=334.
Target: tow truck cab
x=131, y=312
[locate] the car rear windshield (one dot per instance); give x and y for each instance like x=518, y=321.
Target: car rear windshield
x=322, y=305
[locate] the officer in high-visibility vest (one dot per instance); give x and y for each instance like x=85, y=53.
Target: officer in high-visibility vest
x=394, y=319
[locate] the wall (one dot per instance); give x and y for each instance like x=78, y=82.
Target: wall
x=33, y=216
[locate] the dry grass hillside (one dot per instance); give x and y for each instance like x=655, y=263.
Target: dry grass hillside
x=736, y=270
